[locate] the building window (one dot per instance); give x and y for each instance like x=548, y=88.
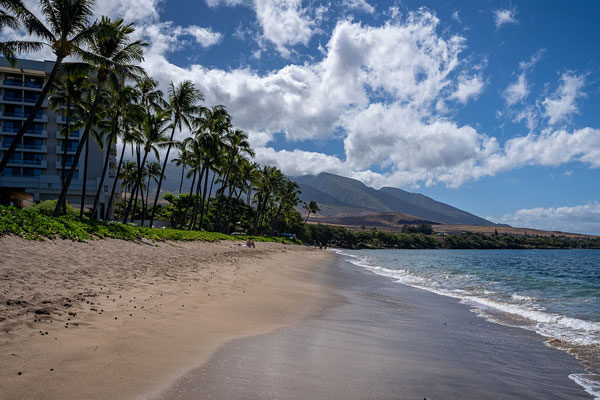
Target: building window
x=32, y=172
x=12, y=171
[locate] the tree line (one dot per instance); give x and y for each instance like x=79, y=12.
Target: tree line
x=337, y=236
x=105, y=95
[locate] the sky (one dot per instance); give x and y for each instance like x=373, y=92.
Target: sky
x=490, y=106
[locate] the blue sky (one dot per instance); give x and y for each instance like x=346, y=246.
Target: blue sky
x=490, y=106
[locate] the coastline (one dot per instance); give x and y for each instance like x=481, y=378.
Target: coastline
x=188, y=320
x=386, y=341
x=129, y=318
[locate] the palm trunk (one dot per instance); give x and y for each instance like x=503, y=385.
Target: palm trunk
x=232, y=212
x=147, y=196
x=65, y=153
x=189, y=202
x=192, y=224
x=29, y=121
x=86, y=133
x=135, y=186
x=307, y=215
x=210, y=190
x=114, y=186
x=104, y=168
x=228, y=207
x=143, y=205
x=162, y=174
x=217, y=222
x=181, y=182
x=138, y=183
x=204, y=199
x=84, y=186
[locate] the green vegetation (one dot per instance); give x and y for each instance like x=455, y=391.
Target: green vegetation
x=337, y=236
x=33, y=225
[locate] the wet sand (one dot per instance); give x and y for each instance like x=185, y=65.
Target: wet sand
x=384, y=341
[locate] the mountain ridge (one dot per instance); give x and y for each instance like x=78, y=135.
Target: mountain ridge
x=342, y=195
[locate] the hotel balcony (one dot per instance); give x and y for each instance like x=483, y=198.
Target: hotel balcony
x=20, y=115
x=28, y=163
x=61, y=150
x=29, y=147
x=68, y=165
x=11, y=83
x=35, y=133
x=62, y=119
x=20, y=100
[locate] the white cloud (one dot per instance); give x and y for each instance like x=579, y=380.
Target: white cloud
x=561, y=104
x=517, y=91
x=204, y=36
x=505, y=16
x=361, y=5
x=581, y=219
x=229, y=3
x=284, y=23
x=468, y=87
x=456, y=16
x=139, y=11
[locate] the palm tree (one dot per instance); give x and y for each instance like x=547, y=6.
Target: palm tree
x=65, y=30
x=114, y=56
x=270, y=180
x=211, y=126
x=152, y=136
x=182, y=105
x=131, y=115
x=84, y=107
x=311, y=208
x=151, y=98
x=181, y=161
x=288, y=199
x=66, y=90
x=236, y=143
x=120, y=101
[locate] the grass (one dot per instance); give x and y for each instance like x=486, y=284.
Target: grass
x=34, y=225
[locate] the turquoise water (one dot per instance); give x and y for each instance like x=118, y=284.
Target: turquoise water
x=555, y=293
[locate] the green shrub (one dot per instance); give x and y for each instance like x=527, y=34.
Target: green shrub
x=47, y=208
x=32, y=224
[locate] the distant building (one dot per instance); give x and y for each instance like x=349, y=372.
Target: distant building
x=33, y=173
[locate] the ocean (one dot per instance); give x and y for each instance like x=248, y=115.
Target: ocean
x=555, y=293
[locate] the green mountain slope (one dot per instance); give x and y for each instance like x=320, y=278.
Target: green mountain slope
x=340, y=193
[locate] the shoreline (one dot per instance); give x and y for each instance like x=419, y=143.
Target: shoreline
x=130, y=318
x=386, y=341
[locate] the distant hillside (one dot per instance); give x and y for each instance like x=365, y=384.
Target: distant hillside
x=434, y=205
x=339, y=195
x=392, y=221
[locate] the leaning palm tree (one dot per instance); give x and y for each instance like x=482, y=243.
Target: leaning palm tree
x=153, y=136
x=311, y=208
x=114, y=56
x=65, y=30
x=182, y=105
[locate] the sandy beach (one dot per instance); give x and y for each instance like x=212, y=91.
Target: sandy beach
x=113, y=319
